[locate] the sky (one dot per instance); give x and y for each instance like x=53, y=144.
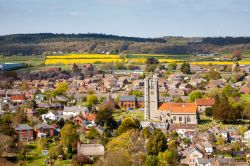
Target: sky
x=138, y=18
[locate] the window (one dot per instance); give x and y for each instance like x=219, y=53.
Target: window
x=174, y=118
x=188, y=119
x=180, y=118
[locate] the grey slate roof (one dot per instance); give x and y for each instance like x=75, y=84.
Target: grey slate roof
x=127, y=98
x=131, y=98
x=43, y=125
x=140, y=99
x=21, y=127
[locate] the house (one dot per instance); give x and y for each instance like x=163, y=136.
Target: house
x=208, y=147
x=30, y=112
x=74, y=110
x=17, y=98
x=245, y=89
x=24, y=132
x=51, y=115
x=128, y=102
x=122, y=81
x=204, y=162
x=215, y=84
x=193, y=154
x=44, y=130
x=202, y=104
x=90, y=150
x=247, y=135
x=183, y=129
x=228, y=162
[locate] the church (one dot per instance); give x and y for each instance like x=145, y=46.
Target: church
x=172, y=113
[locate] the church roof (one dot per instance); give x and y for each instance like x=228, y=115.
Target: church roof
x=179, y=107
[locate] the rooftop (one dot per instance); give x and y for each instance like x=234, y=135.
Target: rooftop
x=179, y=107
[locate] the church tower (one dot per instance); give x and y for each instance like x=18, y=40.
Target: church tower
x=151, y=97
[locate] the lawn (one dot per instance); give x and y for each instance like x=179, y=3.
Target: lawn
x=206, y=123
x=34, y=157
x=245, y=97
x=136, y=114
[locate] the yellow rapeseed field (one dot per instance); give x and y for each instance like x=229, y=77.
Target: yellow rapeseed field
x=103, y=58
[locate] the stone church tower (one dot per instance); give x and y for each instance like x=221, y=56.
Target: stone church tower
x=151, y=97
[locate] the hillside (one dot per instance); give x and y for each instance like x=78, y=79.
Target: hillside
x=47, y=43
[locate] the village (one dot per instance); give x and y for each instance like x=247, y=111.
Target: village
x=166, y=114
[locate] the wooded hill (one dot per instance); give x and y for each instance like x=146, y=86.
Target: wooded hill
x=47, y=43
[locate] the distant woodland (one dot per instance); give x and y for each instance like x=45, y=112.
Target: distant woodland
x=48, y=43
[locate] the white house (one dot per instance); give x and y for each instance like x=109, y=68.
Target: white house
x=75, y=110
x=208, y=147
x=247, y=135
x=51, y=115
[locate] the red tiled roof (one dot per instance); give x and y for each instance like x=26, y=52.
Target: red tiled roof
x=179, y=107
x=90, y=117
x=205, y=102
x=18, y=97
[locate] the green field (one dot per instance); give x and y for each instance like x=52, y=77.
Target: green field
x=34, y=157
x=136, y=114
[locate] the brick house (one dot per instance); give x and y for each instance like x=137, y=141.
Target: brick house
x=202, y=104
x=24, y=132
x=44, y=130
x=131, y=102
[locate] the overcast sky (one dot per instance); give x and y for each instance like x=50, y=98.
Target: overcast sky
x=141, y=18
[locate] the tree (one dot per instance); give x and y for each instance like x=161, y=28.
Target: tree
x=195, y=95
x=178, y=100
x=24, y=86
x=236, y=55
x=120, y=157
x=236, y=67
x=5, y=142
x=75, y=68
x=92, y=100
x=213, y=74
x=130, y=141
x=223, y=111
x=246, y=112
x=172, y=66
x=152, y=61
x=146, y=133
x=137, y=93
x=127, y=124
x=55, y=151
x=208, y=111
x=168, y=158
x=152, y=160
x=92, y=133
x=49, y=95
x=185, y=68
x=68, y=135
x=229, y=91
x=150, y=68
x=105, y=118
x=61, y=88
x=157, y=143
